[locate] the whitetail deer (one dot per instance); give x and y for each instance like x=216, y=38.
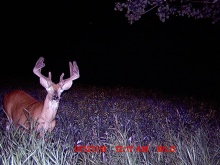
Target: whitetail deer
x=18, y=105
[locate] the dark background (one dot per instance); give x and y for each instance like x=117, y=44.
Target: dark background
x=179, y=56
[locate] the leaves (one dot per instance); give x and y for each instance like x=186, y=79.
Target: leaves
x=164, y=9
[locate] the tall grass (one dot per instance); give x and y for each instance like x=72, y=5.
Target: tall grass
x=114, y=118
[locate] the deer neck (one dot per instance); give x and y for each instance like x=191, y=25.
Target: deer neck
x=49, y=109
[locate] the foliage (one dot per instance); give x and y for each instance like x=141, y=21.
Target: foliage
x=197, y=9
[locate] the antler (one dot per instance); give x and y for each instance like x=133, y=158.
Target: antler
x=37, y=70
x=74, y=73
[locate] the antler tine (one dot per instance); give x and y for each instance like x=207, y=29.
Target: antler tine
x=37, y=69
x=61, y=77
x=49, y=75
x=74, y=73
x=74, y=70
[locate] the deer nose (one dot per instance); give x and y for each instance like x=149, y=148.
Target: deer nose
x=55, y=97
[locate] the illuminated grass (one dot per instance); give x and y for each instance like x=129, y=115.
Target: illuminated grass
x=111, y=117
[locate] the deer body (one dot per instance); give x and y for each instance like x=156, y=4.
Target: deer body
x=25, y=106
x=20, y=107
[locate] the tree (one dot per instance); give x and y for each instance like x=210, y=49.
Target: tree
x=197, y=9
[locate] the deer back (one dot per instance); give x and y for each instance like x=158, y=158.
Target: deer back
x=19, y=106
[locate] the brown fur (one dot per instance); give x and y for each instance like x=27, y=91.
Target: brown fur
x=18, y=106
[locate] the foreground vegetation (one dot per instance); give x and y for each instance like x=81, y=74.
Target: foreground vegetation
x=105, y=120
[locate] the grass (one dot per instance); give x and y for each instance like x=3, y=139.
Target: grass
x=118, y=117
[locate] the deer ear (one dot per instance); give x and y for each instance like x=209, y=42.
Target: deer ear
x=44, y=83
x=67, y=85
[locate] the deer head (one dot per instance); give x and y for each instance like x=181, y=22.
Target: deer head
x=55, y=90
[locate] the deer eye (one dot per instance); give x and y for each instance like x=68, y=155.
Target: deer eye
x=50, y=88
x=59, y=89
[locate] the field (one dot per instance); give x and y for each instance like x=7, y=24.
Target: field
x=118, y=126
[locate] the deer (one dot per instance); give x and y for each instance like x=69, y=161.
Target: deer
x=19, y=106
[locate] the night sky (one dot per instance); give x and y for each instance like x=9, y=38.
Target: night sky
x=178, y=56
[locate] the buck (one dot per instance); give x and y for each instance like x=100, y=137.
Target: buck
x=19, y=106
